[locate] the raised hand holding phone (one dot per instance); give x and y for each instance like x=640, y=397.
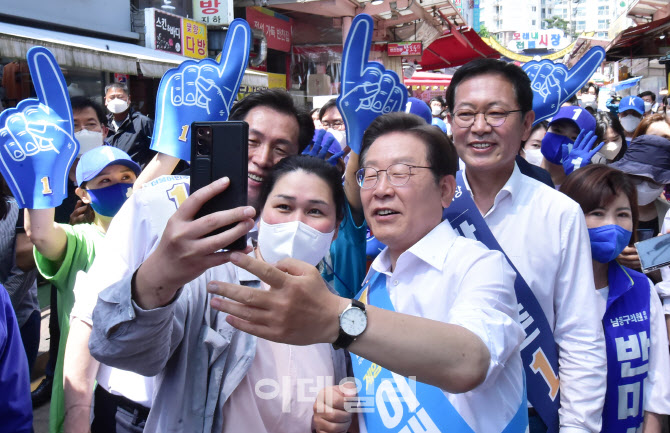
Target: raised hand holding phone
x=368, y=90
x=199, y=91
x=37, y=144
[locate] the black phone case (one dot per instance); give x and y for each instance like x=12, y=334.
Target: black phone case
x=223, y=152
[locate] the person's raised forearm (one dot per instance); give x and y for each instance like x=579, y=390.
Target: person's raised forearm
x=48, y=237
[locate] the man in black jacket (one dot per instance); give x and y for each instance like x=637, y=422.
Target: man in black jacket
x=129, y=130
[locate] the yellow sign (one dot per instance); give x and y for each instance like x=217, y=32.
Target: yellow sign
x=194, y=36
x=276, y=80
x=524, y=59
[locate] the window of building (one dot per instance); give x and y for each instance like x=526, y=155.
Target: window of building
x=603, y=24
x=603, y=10
x=533, y=9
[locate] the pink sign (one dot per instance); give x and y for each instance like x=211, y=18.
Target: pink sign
x=275, y=27
x=405, y=48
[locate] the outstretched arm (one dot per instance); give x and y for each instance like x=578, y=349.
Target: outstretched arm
x=48, y=236
x=162, y=164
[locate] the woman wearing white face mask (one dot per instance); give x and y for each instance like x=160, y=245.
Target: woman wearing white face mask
x=613, y=136
x=216, y=378
x=531, y=148
x=647, y=160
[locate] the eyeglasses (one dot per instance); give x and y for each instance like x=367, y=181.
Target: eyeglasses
x=494, y=117
x=397, y=175
x=338, y=124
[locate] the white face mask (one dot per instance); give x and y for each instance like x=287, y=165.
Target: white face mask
x=646, y=193
x=88, y=140
x=436, y=111
x=587, y=99
x=611, y=149
x=340, y=136
x=534, y=156
x=117, y=105
x=598, y=158
x=293, y=239
x=647, y=107
x=630, y=122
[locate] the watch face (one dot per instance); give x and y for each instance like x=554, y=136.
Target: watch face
x=353, y=321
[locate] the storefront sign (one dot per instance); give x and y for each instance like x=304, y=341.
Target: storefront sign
x=404, y=49
x=195, y=39
x=167, y=32
x=275, y=27
x=121, y=78
x=174, y=34
x=213, y=12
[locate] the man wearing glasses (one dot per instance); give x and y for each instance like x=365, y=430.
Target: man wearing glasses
x=542, y=232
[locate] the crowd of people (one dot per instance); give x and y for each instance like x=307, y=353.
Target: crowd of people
x=480, y=262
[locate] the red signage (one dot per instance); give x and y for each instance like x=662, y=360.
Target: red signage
x=275, y=27
x=404, y=48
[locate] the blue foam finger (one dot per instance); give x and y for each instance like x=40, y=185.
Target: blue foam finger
x=553, y=83
x=367, y=90
x=199, y=91
x=37, y=147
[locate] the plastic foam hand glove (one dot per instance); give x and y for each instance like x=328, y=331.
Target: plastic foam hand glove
x=368, y=90
x=581, y=153
x=321, y=144
x=199, y=91
x=37, y=144
x=553, y=83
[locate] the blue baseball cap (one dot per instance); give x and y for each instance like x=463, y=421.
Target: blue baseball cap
x=579, y=116
x=420, y=108
x=440, y=124
x=634, y=103
x=95, y=160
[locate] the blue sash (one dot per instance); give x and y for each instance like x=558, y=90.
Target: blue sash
x=538, y=351
x=627, y=332
x=394, y=403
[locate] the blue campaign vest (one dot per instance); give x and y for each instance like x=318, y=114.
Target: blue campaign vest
x=539, y=353
x=627, y=331
x=394, y=403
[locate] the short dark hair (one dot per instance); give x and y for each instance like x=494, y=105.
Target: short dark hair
x=596, y=185
x=328, y=173
x=121, y=86
x=648, y=93
x=327, y=106
x=81, y=103
x=509, y=71
x=544, y=124
x=438, y=99
x=440, y=152
x=279, y=100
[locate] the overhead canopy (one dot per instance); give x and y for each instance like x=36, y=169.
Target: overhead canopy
x=456, y=48
x=642, y=11
x=643, y=41
x=98, y=54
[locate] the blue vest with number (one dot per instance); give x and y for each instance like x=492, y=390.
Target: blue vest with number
x=627, y=331
x=394, y=403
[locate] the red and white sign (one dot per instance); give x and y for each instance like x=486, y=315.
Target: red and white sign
x=213, y=12
x=404, y=48
x=275, y=27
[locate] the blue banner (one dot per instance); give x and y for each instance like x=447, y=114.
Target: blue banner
x=538, y=351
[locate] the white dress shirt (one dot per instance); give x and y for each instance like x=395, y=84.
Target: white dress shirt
x=657, y=383
x=544, y=234
x=451, y=279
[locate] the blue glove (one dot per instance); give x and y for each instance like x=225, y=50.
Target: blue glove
x=37, y=144
x=553, y=83
x=581, y=153
x=199, y=91
x=367, y=90
x=323, y=142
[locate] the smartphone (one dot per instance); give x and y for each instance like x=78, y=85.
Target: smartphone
x=220, y=149
x=644, y=234
x=654, y=253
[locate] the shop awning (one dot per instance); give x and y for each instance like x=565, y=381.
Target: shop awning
x=76, y=51
x=429, y=79
x=643, y=41
x=454, y=49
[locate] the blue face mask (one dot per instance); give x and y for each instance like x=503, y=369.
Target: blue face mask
x=552, y=147
x=107, y=201
x=607, y=242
